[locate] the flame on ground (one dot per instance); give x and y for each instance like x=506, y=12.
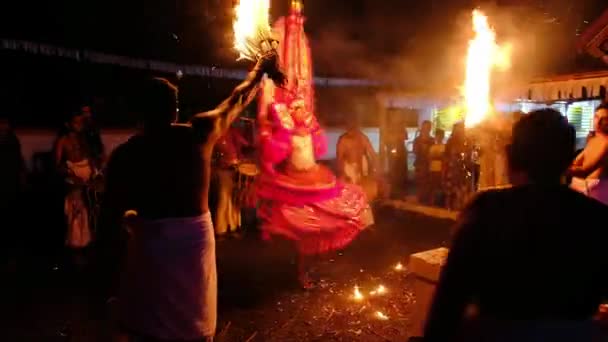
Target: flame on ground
x=251, y=27
x=483, y=55
x=380, y=290
x=399, y=267
x=381, y=316
x=357, y=295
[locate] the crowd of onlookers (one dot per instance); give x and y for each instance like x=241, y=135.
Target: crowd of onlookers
x=444, y=170
x=526, y=263
x=528, y=259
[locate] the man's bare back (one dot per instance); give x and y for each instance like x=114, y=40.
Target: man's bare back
x=160, y=175
x=353, y=147
x=165, y=173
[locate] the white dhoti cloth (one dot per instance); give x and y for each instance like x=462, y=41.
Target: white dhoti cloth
x=594, y=188
x=353, y=172
x=359, y=175
x=169, y=287
x=75, y=208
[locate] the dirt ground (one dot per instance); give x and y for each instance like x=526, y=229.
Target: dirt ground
x=259, y=299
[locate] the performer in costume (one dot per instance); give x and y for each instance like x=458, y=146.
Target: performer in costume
x=299, y=199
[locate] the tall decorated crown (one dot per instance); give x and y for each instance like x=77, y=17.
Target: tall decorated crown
x=295, y=58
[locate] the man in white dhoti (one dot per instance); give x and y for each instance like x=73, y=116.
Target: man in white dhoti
x=72, y=155
x=590, y=168
x=160, y=177
x=357, y=159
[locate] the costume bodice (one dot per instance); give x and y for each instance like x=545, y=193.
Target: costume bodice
x=302, y=152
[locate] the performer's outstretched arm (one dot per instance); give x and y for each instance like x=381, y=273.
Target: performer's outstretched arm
x=223, y=115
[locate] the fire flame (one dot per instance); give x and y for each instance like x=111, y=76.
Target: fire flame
x=251, y=27
x=399, y=267
x=380, y=290
x=483, y=55
x=357, y=295
x=381, y=316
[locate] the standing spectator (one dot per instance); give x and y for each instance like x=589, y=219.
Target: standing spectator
x=159, y=181
x=93, y=137
x=397, y=161
x=422, y=146
x=357, y=159
x=590, y=168
x=227, y=156
x=73, y=160
x=437, y=156
x=512, y=247
x=456, y=173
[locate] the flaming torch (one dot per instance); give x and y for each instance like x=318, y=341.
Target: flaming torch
x=252, y=33
x=484, y=54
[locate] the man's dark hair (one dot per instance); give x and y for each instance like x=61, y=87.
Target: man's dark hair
x=603, y=122
x=604, y=106
x=72, y=115
x=158, y=102
x=543, y=145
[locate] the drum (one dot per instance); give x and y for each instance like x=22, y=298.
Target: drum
x=245, y=190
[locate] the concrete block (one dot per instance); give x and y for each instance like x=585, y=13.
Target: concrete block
x=428, y=264
x=426, y=267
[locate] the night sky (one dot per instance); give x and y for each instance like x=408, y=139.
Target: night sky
x=421, y=45
x=350, y=37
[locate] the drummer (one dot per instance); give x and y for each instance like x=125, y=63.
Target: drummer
x=226, y=158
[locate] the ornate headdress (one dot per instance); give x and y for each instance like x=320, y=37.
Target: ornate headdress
x=295, y=61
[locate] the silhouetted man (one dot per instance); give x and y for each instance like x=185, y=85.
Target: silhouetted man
x=530, y=258
x=160, y=178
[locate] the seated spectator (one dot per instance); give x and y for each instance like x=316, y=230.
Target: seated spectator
x=529, y=259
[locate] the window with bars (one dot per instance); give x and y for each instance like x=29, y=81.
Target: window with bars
x=527, y=107
x=445, y=118
x=580, y=115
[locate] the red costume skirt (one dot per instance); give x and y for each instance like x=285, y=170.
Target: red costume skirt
x=312, y=208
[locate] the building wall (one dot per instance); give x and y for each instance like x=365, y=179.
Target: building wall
x=34, y=141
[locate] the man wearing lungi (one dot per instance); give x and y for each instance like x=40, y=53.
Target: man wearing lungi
x=159, y=182
x=357, y=159
x=73, y=160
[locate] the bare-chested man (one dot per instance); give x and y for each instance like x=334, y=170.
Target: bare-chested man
x=357, y=159
x=72, y=157
x=590, y=168
x=160, y=179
